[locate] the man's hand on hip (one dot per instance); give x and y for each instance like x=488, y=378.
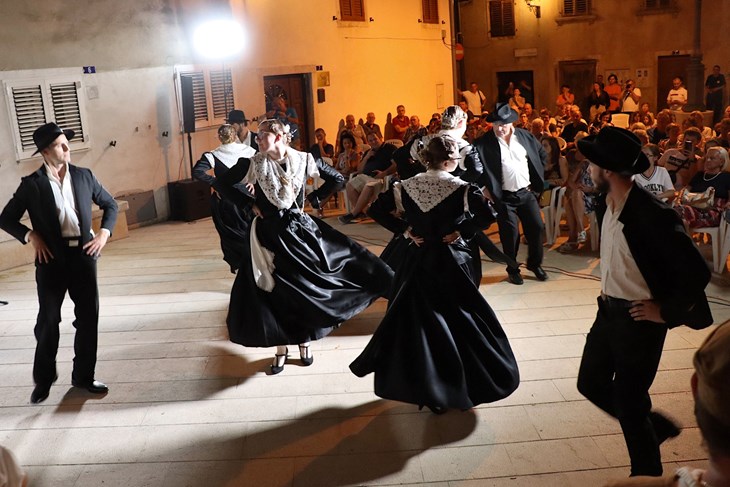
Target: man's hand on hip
x=42, y=252
x=93, y=247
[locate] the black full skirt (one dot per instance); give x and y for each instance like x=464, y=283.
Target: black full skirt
x=322, y=278
x=439, y=344
x=232, y=223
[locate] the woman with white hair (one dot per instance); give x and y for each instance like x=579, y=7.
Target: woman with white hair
x=302, y=278
x=714, y=176
x=440, y=344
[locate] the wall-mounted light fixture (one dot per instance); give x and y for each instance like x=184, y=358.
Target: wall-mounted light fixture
x=534, y=7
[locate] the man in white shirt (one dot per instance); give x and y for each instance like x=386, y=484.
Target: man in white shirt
x=239, y=122
x=58, y=199
x=652, y=278
x=677, y=97
x=474, y=98
x=630, y=97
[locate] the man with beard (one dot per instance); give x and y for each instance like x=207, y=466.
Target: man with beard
x=652, y=279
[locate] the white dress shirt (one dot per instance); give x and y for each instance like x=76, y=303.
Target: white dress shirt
x=515, y=172
x=620, y=276
x=63, y=194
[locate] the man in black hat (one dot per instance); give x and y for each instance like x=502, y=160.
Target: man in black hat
x=652, y=278
x=239, y=121
x=58, y=199
x=514, y=174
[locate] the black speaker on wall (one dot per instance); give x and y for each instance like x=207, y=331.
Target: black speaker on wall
x=188, y=103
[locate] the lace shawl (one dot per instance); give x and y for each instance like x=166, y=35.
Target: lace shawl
x=281, y=185
x=429, y=189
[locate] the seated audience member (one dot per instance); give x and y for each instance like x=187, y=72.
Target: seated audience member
x=635, y=117
x=356, y=130
x=547, y=118
x=11, y=474
x=602, y=120
x=400, y=122
x=413, y=128
x=697, y=120
x=671, y=141
x=647, y=119
x=644, y=109
x=537, y=128
x=682, y=163
x=711, y=391
x=714, y=176
x=527, y=110
x=642, y=135
x=659, y=131
x=723, y=133
x=370, y=177
x=576, y=125
x=656, y=179
x=348, y=160
x=579, y=198
x=522, y=121
x=434, y=125
x=471, y=133
x=370, y=126
x=556, y=168
x=322, y=148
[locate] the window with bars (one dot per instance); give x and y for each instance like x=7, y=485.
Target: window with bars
x=576, y=7
x=501, y=18
x=430, y=11
x=35, y=102
x=352, y=10
x=212, y=95
x=657, y=4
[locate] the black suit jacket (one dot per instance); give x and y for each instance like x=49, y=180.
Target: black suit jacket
x=35, y=196
x=669, y=261
x=491, y=157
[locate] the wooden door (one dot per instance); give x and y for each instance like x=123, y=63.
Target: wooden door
x=294, y=88
x=668, y=68
x=579, y=75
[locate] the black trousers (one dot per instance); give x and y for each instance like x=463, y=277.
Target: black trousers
x=714, y=103
x=75, y=272
x=619, y=363
x=328, y=188
x=515, y=207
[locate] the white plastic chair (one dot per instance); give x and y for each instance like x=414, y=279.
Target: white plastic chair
x=548, y=213
x=558, y=215
x=718, y=235
x=724, y=246
x=620, y=120
x=595, y=231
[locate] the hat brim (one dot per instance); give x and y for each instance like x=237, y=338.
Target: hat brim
x=68, y=133
x=494, y=118
x=589, y=147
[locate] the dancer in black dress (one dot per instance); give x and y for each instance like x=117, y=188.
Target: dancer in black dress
x=232, y=219
x=301, y=278
x=439, y=344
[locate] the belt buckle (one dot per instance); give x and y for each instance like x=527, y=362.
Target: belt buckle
x=73, y=242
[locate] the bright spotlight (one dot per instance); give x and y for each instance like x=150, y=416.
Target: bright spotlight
x=219, y=39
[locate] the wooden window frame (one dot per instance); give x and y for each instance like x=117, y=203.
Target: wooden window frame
x=349, y=10
x=32, y=102
x=504, y=30
x=430, y=10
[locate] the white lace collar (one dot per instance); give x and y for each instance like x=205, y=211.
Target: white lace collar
x=229, y=154
x=281, y=185
x=430, y=188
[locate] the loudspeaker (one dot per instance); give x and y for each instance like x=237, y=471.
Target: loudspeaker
x=188, y=103
x=189, y=200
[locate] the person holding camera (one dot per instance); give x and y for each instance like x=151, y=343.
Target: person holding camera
x=630, y=98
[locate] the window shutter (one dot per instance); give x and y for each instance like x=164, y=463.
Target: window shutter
x=430, y=11
x=352, y=10
x=221, y=89
x=501, y=18
x=657, y=4
x=29, y=113
x=66, y=110
x=199, y=98
x=576, y=7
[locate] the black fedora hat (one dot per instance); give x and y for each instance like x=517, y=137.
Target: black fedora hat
x=236, y=116
x=45, y=134
x=615, y=149
x=503, y=113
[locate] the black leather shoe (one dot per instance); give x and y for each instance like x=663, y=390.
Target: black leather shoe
x=515, y=278
x=41, y=391
x=94, y=386
x=664, y=428
x=539, y=273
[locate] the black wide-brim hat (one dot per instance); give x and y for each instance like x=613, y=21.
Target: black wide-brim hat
x=45, y=134
x=615, y=149
x=236, y=116
x=503, y=113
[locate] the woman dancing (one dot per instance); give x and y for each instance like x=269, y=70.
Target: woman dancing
x=439, y=344
x=301, y=278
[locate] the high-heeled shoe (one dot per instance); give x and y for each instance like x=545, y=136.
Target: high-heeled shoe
x=305, y=355
x=279, y=361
